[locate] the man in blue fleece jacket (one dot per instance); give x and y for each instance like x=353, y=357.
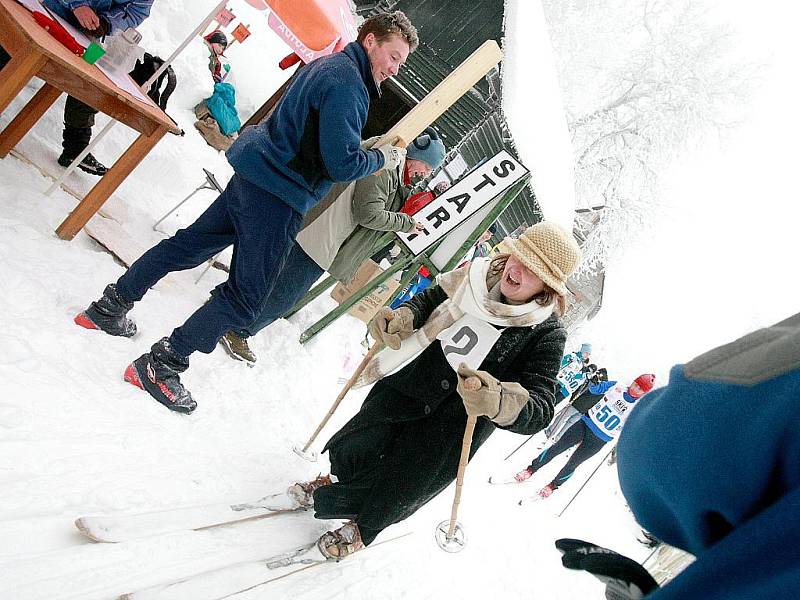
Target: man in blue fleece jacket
x=283, y=167
x=709, y=464
x=97, y=18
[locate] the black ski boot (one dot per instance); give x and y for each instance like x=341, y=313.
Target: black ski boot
x=78, y=121
x=89, y=164
x=108, y=314
x=156, y=372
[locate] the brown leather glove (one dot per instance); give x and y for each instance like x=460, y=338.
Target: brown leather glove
x=500, y=401
x=391, y=327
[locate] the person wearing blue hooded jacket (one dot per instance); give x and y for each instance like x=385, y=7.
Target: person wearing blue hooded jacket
x=709, y=464
x=97, y=18
x=282, y=168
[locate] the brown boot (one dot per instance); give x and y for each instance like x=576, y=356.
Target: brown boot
x=237, y=348
x=303, y=493
x=338, y=544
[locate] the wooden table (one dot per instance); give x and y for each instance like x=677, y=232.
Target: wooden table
x=35, y=53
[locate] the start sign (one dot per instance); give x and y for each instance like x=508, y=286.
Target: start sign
x=487, y=181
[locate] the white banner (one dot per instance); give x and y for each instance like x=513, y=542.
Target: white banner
x=461, y=201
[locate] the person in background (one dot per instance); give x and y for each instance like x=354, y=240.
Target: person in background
x=595, y=429
x=579, y=403
x=483, y=247
x=217, y=118
x=574, y=369
x=340, y=233
x=218, y=64
x=709, y=465
x=282, y=168
x=97, y=18
x=403, y=447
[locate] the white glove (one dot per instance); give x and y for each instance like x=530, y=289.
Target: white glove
x=369, y=142
x=393, y=156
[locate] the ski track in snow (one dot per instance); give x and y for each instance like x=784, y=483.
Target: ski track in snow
x=75, y=439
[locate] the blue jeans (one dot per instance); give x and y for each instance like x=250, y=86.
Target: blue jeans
x=295, y=279
x=261, y=228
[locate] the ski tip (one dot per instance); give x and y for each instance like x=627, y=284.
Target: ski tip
x=83, y=527
x=87, y=531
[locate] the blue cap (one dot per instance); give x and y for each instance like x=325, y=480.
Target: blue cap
x=586, y=348
x=428, y=148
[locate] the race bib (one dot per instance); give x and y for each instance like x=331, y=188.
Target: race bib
x=468, y=340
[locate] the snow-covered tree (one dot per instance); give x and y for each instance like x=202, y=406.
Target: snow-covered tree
x=643, y=81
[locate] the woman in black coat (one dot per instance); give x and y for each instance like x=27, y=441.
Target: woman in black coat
x=403, y=447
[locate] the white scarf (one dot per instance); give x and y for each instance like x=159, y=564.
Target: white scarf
x=470, y=290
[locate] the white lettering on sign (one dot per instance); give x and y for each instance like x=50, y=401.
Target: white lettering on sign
x=484, y=183
x=468, y=340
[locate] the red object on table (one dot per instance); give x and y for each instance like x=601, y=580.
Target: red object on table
x=55, y=29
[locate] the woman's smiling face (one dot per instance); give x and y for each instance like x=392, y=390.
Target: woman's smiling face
x=519, y=284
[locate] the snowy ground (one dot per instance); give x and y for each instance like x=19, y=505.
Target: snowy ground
x=76, y=440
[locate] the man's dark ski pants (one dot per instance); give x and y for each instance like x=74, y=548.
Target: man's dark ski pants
x=261, y=228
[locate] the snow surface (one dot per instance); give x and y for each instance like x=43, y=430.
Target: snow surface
x=76, y=440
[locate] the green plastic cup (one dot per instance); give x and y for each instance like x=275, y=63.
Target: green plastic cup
x=93, y=53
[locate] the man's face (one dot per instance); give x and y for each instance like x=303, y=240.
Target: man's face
x=417, y=169
x=385, y=58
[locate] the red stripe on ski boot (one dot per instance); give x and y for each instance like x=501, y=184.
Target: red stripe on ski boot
x=132, y=377
x=84, y=321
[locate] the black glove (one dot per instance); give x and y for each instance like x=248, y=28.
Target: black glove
x=625, y=579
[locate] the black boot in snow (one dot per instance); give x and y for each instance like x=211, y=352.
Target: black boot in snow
x=108, y=314
x=156, y=372
x=89, y=164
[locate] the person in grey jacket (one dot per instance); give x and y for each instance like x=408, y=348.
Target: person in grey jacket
x=340, y=233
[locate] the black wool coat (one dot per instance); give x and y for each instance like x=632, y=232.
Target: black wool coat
x=429, y=418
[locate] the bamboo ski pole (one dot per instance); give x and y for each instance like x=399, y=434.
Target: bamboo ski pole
x=376, y=347
x=472, y=384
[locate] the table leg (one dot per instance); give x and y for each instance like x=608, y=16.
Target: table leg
x=108, y=184
x=27, y=118
x=17, y=73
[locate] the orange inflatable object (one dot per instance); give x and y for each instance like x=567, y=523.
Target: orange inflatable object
x=311, y=28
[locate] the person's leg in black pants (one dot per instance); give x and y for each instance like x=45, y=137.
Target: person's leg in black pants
x=356, y=462
x=588, y=446
x=78, y=123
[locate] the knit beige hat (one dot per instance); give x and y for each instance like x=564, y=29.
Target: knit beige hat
x=547, y=250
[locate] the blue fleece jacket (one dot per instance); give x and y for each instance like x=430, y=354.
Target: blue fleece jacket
x=120, y=14
x=710, y=464
x=313, y=138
